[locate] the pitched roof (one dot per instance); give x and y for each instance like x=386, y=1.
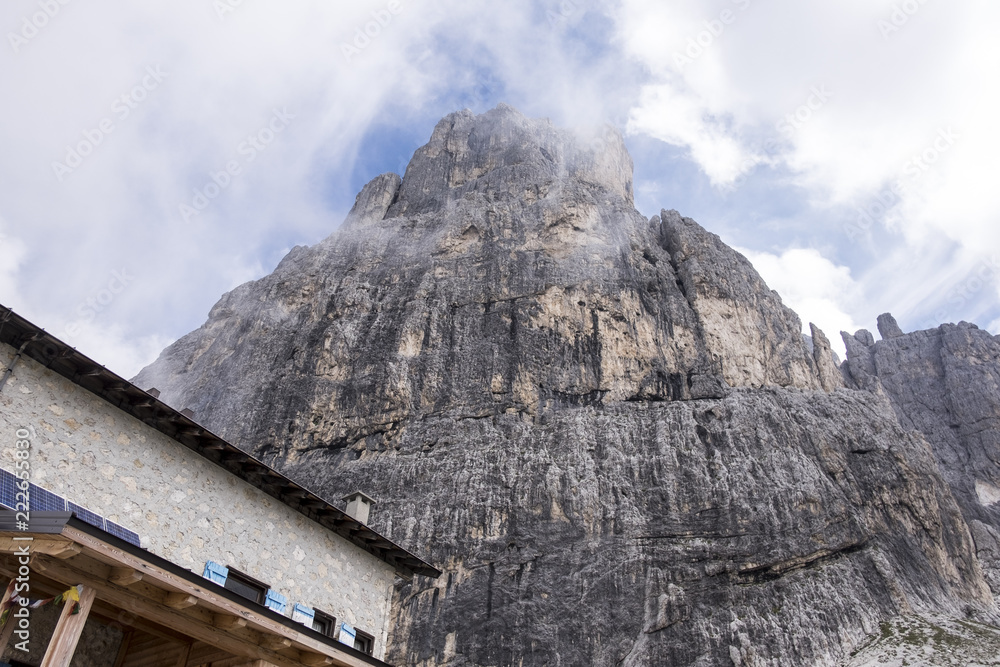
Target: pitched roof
x=58, y=356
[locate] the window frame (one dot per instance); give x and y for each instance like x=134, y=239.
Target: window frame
x=329, y=619
x=248, y=581
x=361, y=637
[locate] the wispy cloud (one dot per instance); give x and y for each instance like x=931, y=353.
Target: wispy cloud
x=818, y=290
x=366, y=82
x=894, y=159
x=14, y=252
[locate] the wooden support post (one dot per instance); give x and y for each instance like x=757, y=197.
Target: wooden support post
x=68, y=629
x=8, y=630
x=123, y=650
x=182, y=659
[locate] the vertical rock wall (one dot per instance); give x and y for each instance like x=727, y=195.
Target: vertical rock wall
x=945, y=383
x=606, y=429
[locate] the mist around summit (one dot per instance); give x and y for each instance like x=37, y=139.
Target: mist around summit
x=606, y=428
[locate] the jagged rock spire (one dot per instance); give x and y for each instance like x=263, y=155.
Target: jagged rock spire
x=606, y=429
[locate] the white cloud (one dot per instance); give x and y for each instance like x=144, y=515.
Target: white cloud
x=889, y=96
x=677, y=118
x=119, y=209
x=112, y=345
x=83, y=327
x=218, y=82
x=13, y=251
x=917, y=105
x=818, y=290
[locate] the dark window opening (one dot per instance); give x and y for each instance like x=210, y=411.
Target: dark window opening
x=323, y=623
x=246, y=586
x=364, y=642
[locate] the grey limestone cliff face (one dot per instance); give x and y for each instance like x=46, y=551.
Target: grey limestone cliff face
x=605, y=429
x=945, y=384
x=507, y=271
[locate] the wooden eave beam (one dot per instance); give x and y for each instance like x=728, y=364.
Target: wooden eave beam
x=101, y=558
x=228, y=621
x=125, y=576
x=193, y=621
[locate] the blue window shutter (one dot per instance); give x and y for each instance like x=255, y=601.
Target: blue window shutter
x=276, y=601
x=217, y=573
x=303, y=614
x=347, y=634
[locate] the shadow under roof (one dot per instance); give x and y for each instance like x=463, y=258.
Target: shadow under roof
x=58, y=356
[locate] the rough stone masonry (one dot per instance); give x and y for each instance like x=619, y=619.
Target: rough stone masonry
x=605, y=428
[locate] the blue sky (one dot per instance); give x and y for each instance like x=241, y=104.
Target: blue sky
x=155, y=156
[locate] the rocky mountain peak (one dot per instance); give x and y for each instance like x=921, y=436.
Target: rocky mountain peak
x=506, y=271
x=496, y=154
x=605, y=428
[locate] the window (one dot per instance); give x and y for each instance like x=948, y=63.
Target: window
x=246, y=586
x=323, y=623
x=364, y=642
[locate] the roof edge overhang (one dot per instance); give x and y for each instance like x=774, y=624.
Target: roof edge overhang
x=60, y=357
x=56, y=555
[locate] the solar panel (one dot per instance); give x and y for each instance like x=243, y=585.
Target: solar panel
x=8, y=489
x=43, y=500
x=85, y=515
x=121, y=533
